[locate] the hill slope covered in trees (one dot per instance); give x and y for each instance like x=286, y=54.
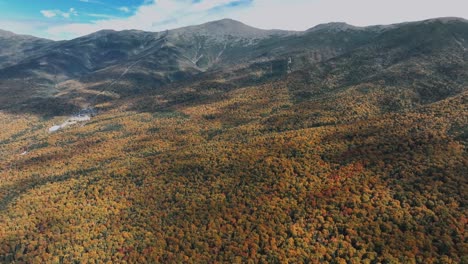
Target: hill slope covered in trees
x=224, y=143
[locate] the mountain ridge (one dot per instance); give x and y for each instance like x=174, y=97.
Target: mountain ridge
x=127, y=59
x=235, y=22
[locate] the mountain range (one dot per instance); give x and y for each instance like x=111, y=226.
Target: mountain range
x=226, y=143
x=135, y=61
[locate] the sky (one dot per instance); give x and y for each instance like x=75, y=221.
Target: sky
x=67, y=19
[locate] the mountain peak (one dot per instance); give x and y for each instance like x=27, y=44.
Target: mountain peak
x=227, y=27
x=334, y=26
x=4, y=33
x=226, y=22
x=446, y=20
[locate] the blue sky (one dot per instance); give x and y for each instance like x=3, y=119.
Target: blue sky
x=65, y=19
x=60, y=10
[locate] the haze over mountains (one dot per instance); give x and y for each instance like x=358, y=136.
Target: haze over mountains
x=226, y=143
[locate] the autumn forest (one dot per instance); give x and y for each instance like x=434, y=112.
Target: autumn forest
x=352, y=154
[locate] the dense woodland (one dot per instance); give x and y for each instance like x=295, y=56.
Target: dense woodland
x=251, y=177
x=361, y=158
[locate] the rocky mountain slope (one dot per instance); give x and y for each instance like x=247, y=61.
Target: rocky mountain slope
x=135, y=61
x=15, y=48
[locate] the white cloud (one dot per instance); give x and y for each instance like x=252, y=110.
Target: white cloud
x=101, y=16
x=124, y=9
x=48, y=13
x=303, y=14
x=154, y=16
x=56, y=12
x=293, y=14
x=30, y=26
x=209, y=4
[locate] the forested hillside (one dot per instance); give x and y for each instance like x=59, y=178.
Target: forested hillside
x=335, y=145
